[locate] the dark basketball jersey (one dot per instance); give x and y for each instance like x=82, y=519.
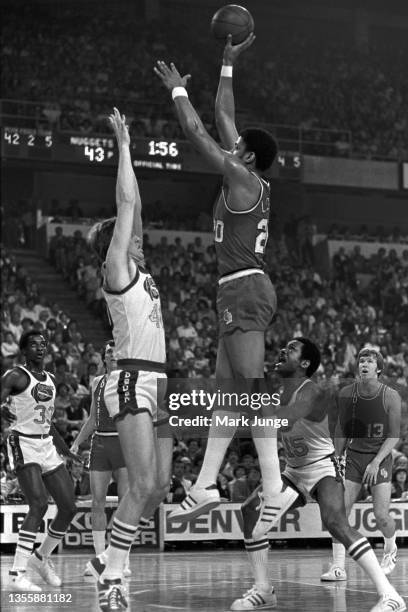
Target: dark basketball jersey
x=241, y=236
x=364, y=420
x=103, y=421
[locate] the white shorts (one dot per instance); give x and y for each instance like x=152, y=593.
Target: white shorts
x=23, y=451
x=305, y=479
x=133, y=392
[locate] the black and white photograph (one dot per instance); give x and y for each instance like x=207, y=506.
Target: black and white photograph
x=204, y=305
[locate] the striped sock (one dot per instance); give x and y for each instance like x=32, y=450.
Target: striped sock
x=121, y=540
x=364, y=555
x=258, y=558
x=51, y=541
x=24, y=548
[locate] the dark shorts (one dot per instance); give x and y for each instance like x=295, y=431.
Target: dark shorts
x=247, y=303
x=356, y=464
x=106, y=454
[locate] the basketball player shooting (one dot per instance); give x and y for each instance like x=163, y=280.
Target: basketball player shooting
x=132, y=391
x=246, y=299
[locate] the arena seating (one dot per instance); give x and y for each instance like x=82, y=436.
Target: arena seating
x=361, y=96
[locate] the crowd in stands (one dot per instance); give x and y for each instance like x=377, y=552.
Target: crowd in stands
x=300, y=80
x=340, y=313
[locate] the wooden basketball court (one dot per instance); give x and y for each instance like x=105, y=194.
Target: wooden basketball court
x=209, y=581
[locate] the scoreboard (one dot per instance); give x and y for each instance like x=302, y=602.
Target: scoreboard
x=101, y=150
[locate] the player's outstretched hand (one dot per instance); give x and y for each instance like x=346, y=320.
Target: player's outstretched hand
x=118, y=123
x=231, y=52
x=170, y=77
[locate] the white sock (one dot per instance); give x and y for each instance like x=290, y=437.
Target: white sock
x=24, y=548
x=339, y=555
x=99, y=541
x=364, y=555
x=122, y=536
x=219, y=438
x=390, y=543
x=267, y=449
x=258, y=558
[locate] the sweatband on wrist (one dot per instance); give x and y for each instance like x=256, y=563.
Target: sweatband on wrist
x=226, y=71
x=179, y=91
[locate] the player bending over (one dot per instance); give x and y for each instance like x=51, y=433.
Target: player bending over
x=311, y=469
x=368, y=429
x=246, y=299
x=39, y=468
x=134, y=388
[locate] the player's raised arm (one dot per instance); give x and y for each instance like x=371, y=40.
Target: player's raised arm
x=193, y=127
x=118, y=271
x=224, y=103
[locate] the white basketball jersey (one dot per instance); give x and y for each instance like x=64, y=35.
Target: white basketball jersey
x=34, y=407
x=137, y=320
x=308, y=441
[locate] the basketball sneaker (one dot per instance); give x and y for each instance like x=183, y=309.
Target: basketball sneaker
x=390, y=602
x=20, y=582
x=45, y=568
x=198, y=501
x=87, y=571
x=255, y=599
x=111, y=595
x=388, y=561
x=334, y=574
x=95, y=567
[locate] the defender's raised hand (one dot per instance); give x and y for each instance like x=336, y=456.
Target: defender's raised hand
x=231, y=52
x=118, y=123
x=170, y=77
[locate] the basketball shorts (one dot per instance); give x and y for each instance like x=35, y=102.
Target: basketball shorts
x=247, y=303
x=133, y=392
x=356, y=464
x=23, y=451
x=106, y=453
x=305, y=479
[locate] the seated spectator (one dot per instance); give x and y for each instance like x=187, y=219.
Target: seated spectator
x=400, y=484
x=81, y=481
x=254, y=478
x=239, y=487
x=179, y=485
x=232, y=463
x=9, y=346
x=223, y=487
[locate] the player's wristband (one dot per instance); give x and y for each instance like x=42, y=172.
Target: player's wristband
x=226, y=71
x=176, y=92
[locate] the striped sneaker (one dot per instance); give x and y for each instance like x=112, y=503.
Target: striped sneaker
x=111, y=595
x=255, y=599
x=388, y=561
x=198, y=501
x=95, y=567
x=390, y=602
x=334, y=574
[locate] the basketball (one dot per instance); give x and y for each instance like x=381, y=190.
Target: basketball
x=232, y=19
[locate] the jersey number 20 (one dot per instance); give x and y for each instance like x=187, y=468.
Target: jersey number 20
x=261, y=239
